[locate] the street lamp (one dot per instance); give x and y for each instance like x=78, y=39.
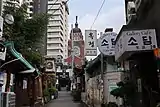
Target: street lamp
x=9, y=19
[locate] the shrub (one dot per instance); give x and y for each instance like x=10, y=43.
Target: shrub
x=46, y=92
x=52, y=90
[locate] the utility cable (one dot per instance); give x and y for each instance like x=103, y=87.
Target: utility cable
x=97, y=14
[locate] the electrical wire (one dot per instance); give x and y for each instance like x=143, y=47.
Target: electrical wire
x=97, y=14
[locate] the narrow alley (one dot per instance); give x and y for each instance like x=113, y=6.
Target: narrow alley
x=65, y=100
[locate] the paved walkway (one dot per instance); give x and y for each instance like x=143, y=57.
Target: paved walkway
x=64, y=100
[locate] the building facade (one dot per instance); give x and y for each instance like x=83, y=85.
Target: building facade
x=78, y=46
x=142, y=16
x=57, y=29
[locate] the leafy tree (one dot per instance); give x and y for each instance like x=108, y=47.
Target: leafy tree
x=27, y=33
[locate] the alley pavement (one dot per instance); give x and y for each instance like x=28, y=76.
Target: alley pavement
x=64, y=100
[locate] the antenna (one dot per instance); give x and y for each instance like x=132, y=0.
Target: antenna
x=76, y=24
x=76, y=19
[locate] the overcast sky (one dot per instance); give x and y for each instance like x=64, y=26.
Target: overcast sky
x=111, y=15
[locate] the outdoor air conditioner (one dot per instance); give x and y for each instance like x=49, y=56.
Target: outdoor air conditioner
x=131, y=12
x=7, y=99
x=131, y=8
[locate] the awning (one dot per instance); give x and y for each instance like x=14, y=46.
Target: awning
x=16, y=63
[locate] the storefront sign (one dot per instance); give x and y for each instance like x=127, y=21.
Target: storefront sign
x=106, y=43
x=50, y=65
x=91, y=42
x=136, y=40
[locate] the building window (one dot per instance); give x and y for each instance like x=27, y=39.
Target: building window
x=31, y=3
x=30, y=15
x=31, y=9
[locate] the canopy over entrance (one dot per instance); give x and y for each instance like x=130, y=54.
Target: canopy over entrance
x=15, y=62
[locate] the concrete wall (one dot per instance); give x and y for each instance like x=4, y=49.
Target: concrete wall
x=110, y=80
x=94, y=91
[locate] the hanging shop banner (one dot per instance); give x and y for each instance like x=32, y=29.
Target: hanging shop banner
x=91, y=42
x=106, y=43
x=135, y=40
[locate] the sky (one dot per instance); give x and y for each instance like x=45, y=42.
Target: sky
x=112, y=14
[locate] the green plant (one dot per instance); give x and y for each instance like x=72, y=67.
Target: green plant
x=125, y=90
x=46, y=92
x=27, y=33
x=52, y=90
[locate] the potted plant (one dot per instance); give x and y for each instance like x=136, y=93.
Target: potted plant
x=53, y=92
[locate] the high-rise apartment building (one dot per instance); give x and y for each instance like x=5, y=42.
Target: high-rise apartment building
x=30, y=7
x=57, y=30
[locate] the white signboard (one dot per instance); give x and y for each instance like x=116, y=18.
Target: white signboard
x=50, y=66
x=90, y=42
x=137, y=40
x=106, y=43
x=2, y=52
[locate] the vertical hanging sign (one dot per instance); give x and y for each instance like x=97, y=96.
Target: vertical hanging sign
x=91, y=42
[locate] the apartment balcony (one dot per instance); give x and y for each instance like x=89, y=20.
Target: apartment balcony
x=54, y=48
x=55, y=36
x=54, y=41
x=53, y=2
x=54, y=11
x=56, y=17
x=55, y=23
x=54, y=54
x=55, y=30
x=54, y=6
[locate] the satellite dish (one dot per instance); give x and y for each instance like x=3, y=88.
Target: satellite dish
x=9, y=19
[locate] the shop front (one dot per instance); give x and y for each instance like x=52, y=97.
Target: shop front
x=134, y=50
x=23, y=76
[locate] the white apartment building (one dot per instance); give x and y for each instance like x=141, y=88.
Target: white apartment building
x=57, y=31
x=30, y=7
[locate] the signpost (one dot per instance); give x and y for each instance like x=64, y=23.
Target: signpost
x=106, y=45
x=90, y=42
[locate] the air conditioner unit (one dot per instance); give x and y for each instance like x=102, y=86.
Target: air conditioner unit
x=7, y=99
x=131, y=8
x=131, y=12
x=137, y=4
